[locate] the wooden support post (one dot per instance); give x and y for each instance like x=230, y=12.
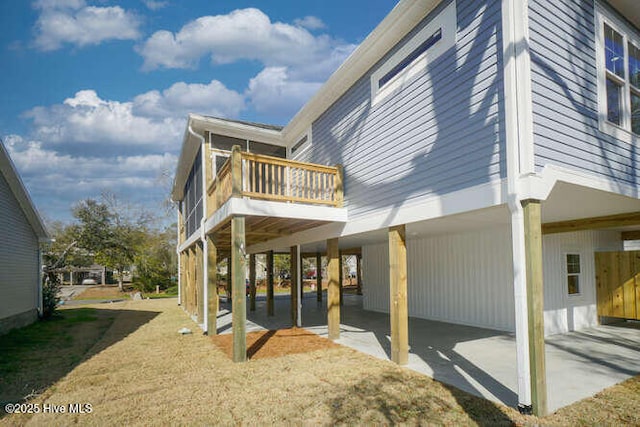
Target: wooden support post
x=200, y=302
x=189, y=288
x=319, y=276
x=236, y=171
x=252, y=282
x=339, y=195
x=359, y=273
x=535, y=303
x=341, y=278
x=239, y=312
x=212, y=284
x=398, y=282
x=294, y=259
x=333, y=291
x=228, y=286
x=270, y=310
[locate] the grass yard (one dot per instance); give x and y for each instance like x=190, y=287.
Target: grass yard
x=102, y=292
x=137, y=370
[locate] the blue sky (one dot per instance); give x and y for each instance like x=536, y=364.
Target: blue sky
x=95, y=94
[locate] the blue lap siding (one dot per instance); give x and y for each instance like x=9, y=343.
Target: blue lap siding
x=442, y=131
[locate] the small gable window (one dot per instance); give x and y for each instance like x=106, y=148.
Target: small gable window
x=415, y=54
x=301, y=145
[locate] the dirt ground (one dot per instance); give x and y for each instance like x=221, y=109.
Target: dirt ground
x=141, y=371
x=264, y=344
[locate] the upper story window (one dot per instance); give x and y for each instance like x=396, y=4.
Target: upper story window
x=413, y=57
x=618, y=54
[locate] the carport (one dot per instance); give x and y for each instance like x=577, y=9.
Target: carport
x=479, y=361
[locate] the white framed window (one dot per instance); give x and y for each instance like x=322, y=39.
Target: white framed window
x=425, y=46
x=301, y=145
x=618, y=65
x=573, y=273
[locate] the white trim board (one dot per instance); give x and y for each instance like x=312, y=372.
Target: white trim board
x=251, y=207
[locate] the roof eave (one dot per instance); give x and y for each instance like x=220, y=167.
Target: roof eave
x=10, y=173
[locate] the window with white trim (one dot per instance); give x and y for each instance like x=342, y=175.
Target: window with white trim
x=619, y=77
x=301, y=145
x=573, y=272
x=412, y=58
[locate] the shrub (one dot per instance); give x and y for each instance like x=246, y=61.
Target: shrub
x=173, y=290
x=50, y=290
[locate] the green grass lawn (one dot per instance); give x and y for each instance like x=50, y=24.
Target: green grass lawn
x=34, y=357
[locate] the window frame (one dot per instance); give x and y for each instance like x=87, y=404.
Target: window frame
x=446, y=23
x=630, y=35
x=566, y=274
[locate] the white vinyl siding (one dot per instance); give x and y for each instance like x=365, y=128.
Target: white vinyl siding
x=18, y=257
x=462, y=278
x=467, y=278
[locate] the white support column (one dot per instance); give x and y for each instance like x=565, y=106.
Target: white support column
x=299, y=286
x=179, y=256
x=519, y=159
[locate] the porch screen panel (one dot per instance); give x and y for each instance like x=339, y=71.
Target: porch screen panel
x=192, y=203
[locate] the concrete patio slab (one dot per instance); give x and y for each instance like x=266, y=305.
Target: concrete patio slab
x=479, y=361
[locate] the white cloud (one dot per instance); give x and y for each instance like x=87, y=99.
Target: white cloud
x=273, y=92
x=152, y=120
x=88, y=119
x=245, y=34
x=182, y=98
x=31, y=157
x=73, y=22
x=155, y=5
x=310, y=22
x=56, y=181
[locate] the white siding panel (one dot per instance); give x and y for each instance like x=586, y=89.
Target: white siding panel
x=463, y=278
x=375, y=275
x=18, y=257
x=561, y=312
x=467, y=278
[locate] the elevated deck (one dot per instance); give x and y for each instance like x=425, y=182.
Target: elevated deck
x=276, y=197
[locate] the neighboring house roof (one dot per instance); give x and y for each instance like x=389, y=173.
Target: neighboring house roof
x=10, y=174
x=397, y=24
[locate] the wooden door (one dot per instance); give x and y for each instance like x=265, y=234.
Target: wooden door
x=618, y=284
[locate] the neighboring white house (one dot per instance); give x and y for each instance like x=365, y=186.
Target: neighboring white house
x=478, y=154
x=22, y=233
